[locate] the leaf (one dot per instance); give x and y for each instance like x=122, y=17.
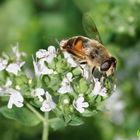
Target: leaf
x=83, y=85
x=56, y=123
x=22, y=115
x=53, y=82
x=61, y=66
x=75, y=121
x=88, y=113
x=76, y=71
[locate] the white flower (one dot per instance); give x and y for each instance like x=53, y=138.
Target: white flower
x=98, y=89
x=65, y=85
x=80, y=105
x=48, y=104
x=6, y=86
x=70, y=60
x=42, y=53
x=3, y=63
x=40, y=68
x=15, y=67
x=38, y=92
x=15, y=98
x=51, y=54
x=46, y=55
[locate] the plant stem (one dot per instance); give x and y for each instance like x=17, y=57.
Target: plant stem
x=45, y=127
x=35, y=111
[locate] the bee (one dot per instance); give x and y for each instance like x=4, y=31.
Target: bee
x=90, y=51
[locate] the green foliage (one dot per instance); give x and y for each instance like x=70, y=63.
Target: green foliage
x=22, y=115
x=36, y=24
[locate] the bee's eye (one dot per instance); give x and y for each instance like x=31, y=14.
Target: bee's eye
x=106, y=65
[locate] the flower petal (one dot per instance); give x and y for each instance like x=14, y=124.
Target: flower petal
x=80, y=105
x=41, y=53
x=70, y=60
x=51, y=54
x=38, y=92
x=15, y=98
x=80, y=100
x=47, y=106
x=13, y=68
x=69, y=76
x=3, y=63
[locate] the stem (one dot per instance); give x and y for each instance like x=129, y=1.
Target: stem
x=35, y=112
x=46, y=127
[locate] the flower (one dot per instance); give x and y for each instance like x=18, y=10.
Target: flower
x=38, y=92
x=48, y=104
x=42, y=53
x=6, y=86
x=15, y=67
x=98, y=89
x=65, y=84
x=51, y=54
x=47, y=55
x=15, y=98
x=44, y=56
x=40, y=68
x=3, y=63
x=70, y=60
x=80, y=105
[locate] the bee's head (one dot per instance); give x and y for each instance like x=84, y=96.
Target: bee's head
x=108, y=66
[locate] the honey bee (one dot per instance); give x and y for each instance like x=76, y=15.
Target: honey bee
x=90, y=51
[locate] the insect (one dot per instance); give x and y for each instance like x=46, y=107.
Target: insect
x=90, y=51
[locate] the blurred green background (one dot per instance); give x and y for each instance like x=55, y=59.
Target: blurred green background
x=39, y=23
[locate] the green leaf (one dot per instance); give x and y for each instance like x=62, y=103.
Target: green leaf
x=22, y=115
x=76, y=71
x=22, y=82
x=52, y=65
x=75, y=121
x=53, y=82
x=56, y=123
x=88, y=113
x=81, y=86
x=61, y=66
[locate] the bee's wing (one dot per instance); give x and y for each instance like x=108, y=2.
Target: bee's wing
x=90, y=27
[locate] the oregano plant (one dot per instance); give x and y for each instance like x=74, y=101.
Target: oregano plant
x=57, y=93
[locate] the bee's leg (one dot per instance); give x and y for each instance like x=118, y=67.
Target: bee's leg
x=83, y=62
x=92, y=71
x=92, y=74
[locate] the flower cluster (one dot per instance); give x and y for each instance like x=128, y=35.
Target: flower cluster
x=43, y=57
x=12, y=67
x=60, y=84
